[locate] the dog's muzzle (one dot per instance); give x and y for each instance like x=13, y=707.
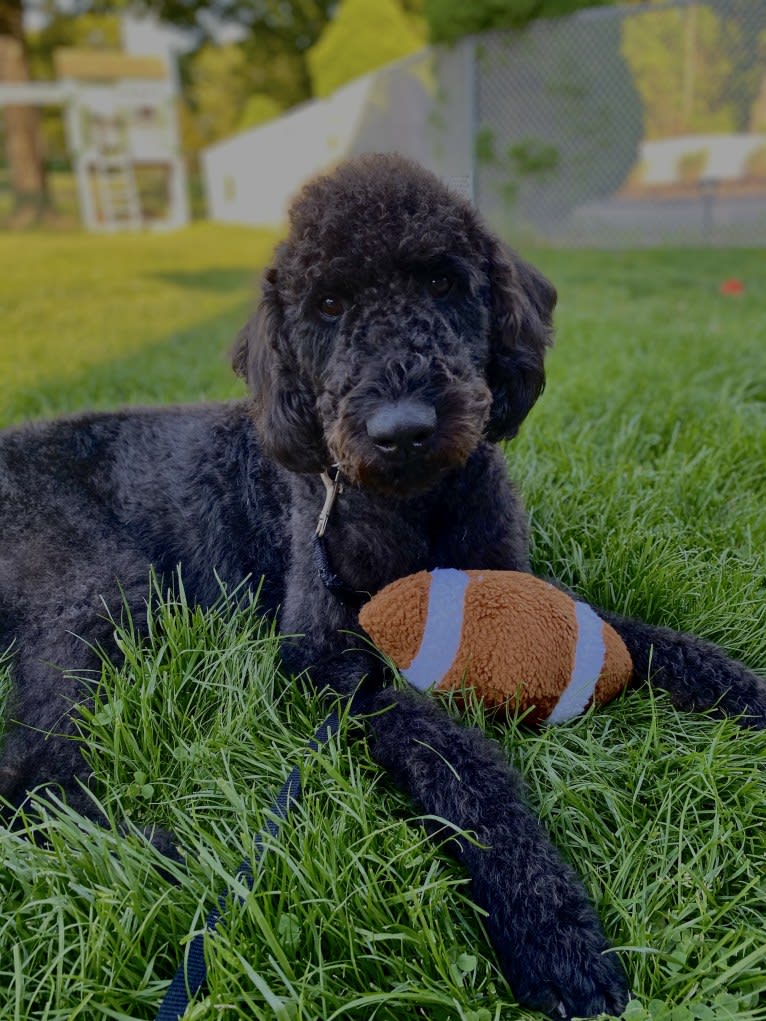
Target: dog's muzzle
x=402, y=428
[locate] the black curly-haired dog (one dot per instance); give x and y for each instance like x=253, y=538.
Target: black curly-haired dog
x=397, y=339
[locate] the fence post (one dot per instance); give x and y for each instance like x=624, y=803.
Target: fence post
x=471, y=86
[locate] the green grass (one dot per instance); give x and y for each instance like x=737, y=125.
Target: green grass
x=102, y=321
x=644, y=469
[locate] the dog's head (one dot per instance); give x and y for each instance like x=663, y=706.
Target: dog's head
x=394, y=331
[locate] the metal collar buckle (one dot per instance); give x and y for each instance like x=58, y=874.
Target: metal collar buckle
x=333, y=486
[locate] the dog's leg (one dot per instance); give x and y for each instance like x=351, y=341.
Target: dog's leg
x=54, y=668
x=42, y=751
x=546, y=934
x=41, y=747
x=696, y=674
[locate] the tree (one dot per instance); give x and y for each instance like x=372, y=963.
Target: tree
x=745, y=29
x=217, y=87
x=224, y=92
x=258, y=109
x=364, y=34
x=681, y=71
x=697, y=69
x=22, y=123
x=273, y=30
x=450, y=20
x=83, y=31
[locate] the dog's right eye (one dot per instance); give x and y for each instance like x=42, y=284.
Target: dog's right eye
x=331, y=308
x=439, y=285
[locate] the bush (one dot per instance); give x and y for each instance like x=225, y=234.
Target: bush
x=691, y=166
x=258, y=109
x=364, y=34
x=755, y=164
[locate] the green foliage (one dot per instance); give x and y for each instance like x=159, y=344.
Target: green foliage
x=698, y=69
x=218, y=84
x=528, y=159
x=721, y=1007
x=277, y=36
x=271, y=58
x=258, y=109
x=484, y=145
x=744, y=38
x=755, y=165
x=450, y=20
x=237, y=86
x=532, y=156
x=295, y=25
x=682, y=68
x=83, y=31
x=364, y=34
x=691, y=165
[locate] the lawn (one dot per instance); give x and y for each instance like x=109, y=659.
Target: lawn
x=644, y=470
x=102, y=321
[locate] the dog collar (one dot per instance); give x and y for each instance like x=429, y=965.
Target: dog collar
x=333, y=485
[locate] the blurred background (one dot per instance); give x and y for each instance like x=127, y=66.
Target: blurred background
x=149, y=150
x=615, y=125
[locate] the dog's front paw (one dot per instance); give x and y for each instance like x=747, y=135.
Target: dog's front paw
x=553, y=951
x=565, y=976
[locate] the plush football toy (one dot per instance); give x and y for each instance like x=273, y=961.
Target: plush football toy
x=519, y=641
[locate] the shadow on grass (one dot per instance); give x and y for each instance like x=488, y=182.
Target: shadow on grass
x=221, y=279
x=191, y=364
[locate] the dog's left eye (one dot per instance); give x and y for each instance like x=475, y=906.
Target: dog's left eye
x=331, y=308
x=439, y=286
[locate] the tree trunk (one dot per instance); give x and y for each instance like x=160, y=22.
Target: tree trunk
x=22, y=123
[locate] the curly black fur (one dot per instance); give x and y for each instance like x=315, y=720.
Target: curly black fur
x=389, y=288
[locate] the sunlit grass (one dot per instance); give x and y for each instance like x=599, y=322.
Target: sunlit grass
x=643, y=467
x=103, y=321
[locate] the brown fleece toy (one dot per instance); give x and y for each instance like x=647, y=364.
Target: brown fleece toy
x=519, y=641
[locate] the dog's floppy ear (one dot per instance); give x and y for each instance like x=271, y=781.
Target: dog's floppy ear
x=283, y=403
x=521, y=304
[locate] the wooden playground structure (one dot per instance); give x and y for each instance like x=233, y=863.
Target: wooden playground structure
x=121, y=126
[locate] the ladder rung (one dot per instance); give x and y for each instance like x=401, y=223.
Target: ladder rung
x=117, y=191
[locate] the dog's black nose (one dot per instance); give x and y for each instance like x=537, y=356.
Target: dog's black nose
x=402, y=426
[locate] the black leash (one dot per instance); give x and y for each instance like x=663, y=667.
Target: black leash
x=331, y=581
x=192, y=974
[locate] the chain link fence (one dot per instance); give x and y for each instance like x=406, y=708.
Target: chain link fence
x=619, y=126
x=626, y=126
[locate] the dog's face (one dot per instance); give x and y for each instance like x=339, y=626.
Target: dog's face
x=394, y=332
